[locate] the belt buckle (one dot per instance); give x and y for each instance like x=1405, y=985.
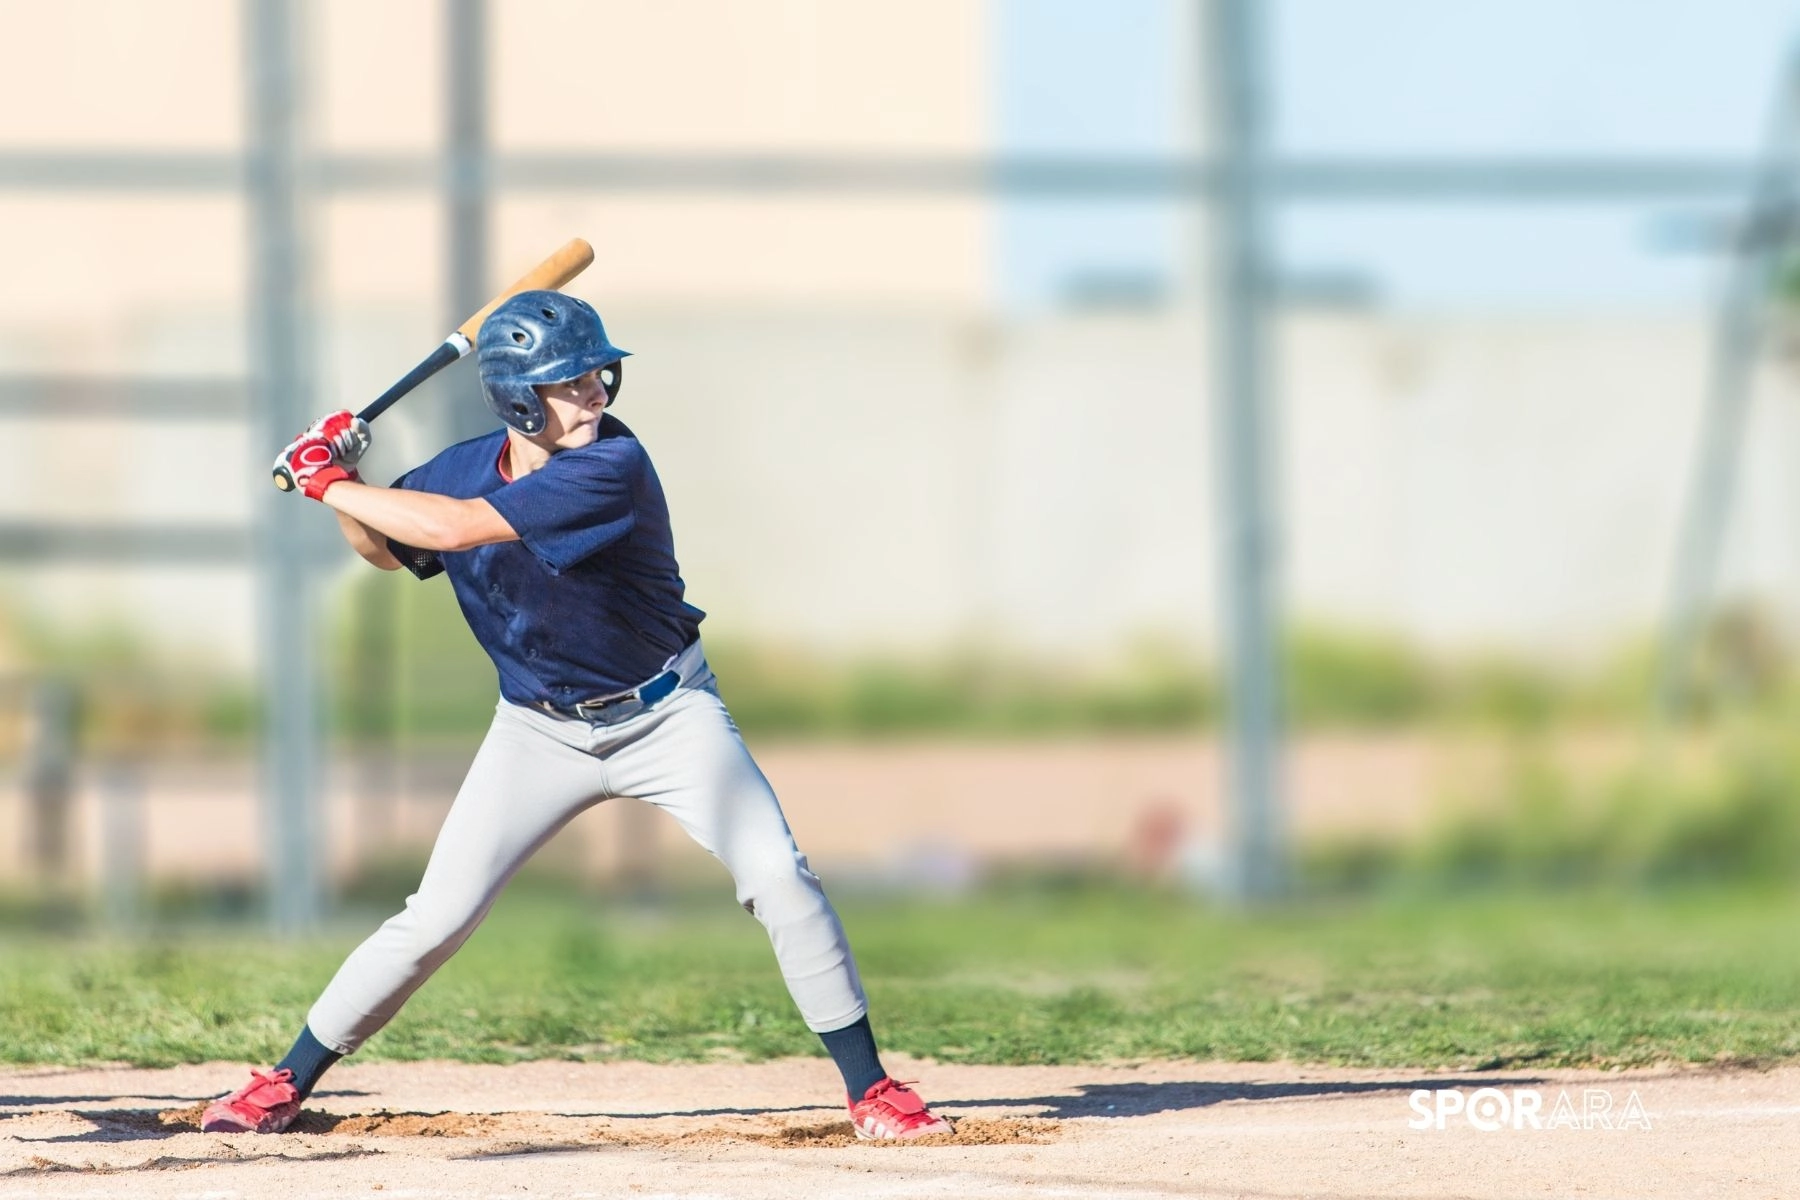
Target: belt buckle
x=597, y=711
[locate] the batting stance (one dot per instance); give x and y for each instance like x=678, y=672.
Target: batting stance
x=555, y=536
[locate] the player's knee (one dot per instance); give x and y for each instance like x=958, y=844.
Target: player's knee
x=431, y=933
x=779, y=888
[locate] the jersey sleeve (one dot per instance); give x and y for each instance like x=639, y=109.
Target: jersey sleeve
x=575, y=505
x=422, y=563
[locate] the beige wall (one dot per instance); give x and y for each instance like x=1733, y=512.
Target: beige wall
x=118, y=74
x=94, y=281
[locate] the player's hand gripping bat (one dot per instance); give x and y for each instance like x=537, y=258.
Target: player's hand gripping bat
x=552, y=273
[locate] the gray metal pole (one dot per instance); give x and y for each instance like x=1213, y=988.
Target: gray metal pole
x=280, y=340
x=1748, y=290
x=1248, y=531
x=49, y=776
x=467, y=190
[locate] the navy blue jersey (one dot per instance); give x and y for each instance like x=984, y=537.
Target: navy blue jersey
x=588, y=602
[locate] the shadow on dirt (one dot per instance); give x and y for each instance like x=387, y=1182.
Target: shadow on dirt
x=1090, y=1100
x=129, y=1125
x=1143, y=1099
x=7, y=1102
x=39, y=1166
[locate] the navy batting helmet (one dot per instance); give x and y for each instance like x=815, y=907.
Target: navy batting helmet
x=541, y=337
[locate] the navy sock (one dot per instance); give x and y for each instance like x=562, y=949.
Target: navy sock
x=852, y=1048
x=308, y=1060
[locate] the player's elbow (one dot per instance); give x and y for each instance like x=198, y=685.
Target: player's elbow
x=377, y=557
x=369, y=546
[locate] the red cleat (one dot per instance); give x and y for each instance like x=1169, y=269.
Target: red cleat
x=267, y=1104
x=891, y=1110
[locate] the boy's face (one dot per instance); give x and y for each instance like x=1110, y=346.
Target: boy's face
x=571, y=411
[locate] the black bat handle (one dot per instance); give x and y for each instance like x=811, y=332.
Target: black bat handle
x=453, y=348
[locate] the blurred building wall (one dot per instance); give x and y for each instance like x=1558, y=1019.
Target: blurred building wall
x=861, y=446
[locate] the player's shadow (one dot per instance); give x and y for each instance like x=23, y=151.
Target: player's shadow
x=113, y=1125
x=51, y=1101
x=123, y=1125
x=1090, y=1100
x=48, y=1101
x=149, y=1124
x=1144, y=1099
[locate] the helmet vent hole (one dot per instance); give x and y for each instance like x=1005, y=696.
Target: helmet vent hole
x=549, y=314
x=519, y=336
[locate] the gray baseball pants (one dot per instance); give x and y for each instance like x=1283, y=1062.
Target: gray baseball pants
x=534, y=772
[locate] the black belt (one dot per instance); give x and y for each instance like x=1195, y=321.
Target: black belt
x=610, y=710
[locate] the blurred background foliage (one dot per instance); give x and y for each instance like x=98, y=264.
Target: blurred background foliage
x=1707, y=799
x=405, y=665
x=414, y=671
x=1713, y=812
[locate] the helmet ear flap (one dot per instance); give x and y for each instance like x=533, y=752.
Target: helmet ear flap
x=515, y=403
x=612, y=378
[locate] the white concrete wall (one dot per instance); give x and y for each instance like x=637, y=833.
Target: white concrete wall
x=902, y=478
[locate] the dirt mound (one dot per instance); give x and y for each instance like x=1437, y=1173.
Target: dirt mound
x=423, y=1125
x=182, y=1118
x=965, y=1131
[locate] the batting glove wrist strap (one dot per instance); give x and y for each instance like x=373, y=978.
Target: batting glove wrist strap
x=324, y=477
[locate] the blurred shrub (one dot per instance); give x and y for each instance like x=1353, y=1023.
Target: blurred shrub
x=1742, y=658
x=413, y=667
x=980, y=693
x=1732, y=816
x=1358, y=678
x=1342, y=676
x=401, y=663
x=133, y=697
x=408, y=664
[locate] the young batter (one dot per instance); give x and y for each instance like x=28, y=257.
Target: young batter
x=555, y=536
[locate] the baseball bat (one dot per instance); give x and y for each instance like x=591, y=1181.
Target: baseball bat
x=568, y=262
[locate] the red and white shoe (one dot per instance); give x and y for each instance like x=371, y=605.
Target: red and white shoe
x=890, y=1110
x=267, y=1104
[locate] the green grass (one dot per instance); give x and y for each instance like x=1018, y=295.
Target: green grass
x=1025, y=977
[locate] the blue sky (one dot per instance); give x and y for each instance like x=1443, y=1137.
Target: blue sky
x=1679, y=77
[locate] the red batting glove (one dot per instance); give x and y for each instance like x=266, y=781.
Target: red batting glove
x=324, y=477
x=309, y=464
x=348, y=434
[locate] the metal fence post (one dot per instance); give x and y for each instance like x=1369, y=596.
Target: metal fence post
x=1248, y=530
x=281, y=363
x=49, y=777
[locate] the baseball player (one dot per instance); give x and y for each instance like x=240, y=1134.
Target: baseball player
x=555, y=536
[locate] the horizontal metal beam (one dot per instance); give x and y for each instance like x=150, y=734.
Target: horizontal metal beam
x=1532, y=179
x=136, y=170
x=1314, y=179
x=1397, y=179
x=39, y=542
x=52, y=396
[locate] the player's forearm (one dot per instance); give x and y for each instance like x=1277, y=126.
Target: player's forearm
x=422, y=519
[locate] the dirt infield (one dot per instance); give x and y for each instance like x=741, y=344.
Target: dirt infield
x=767, y=1130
